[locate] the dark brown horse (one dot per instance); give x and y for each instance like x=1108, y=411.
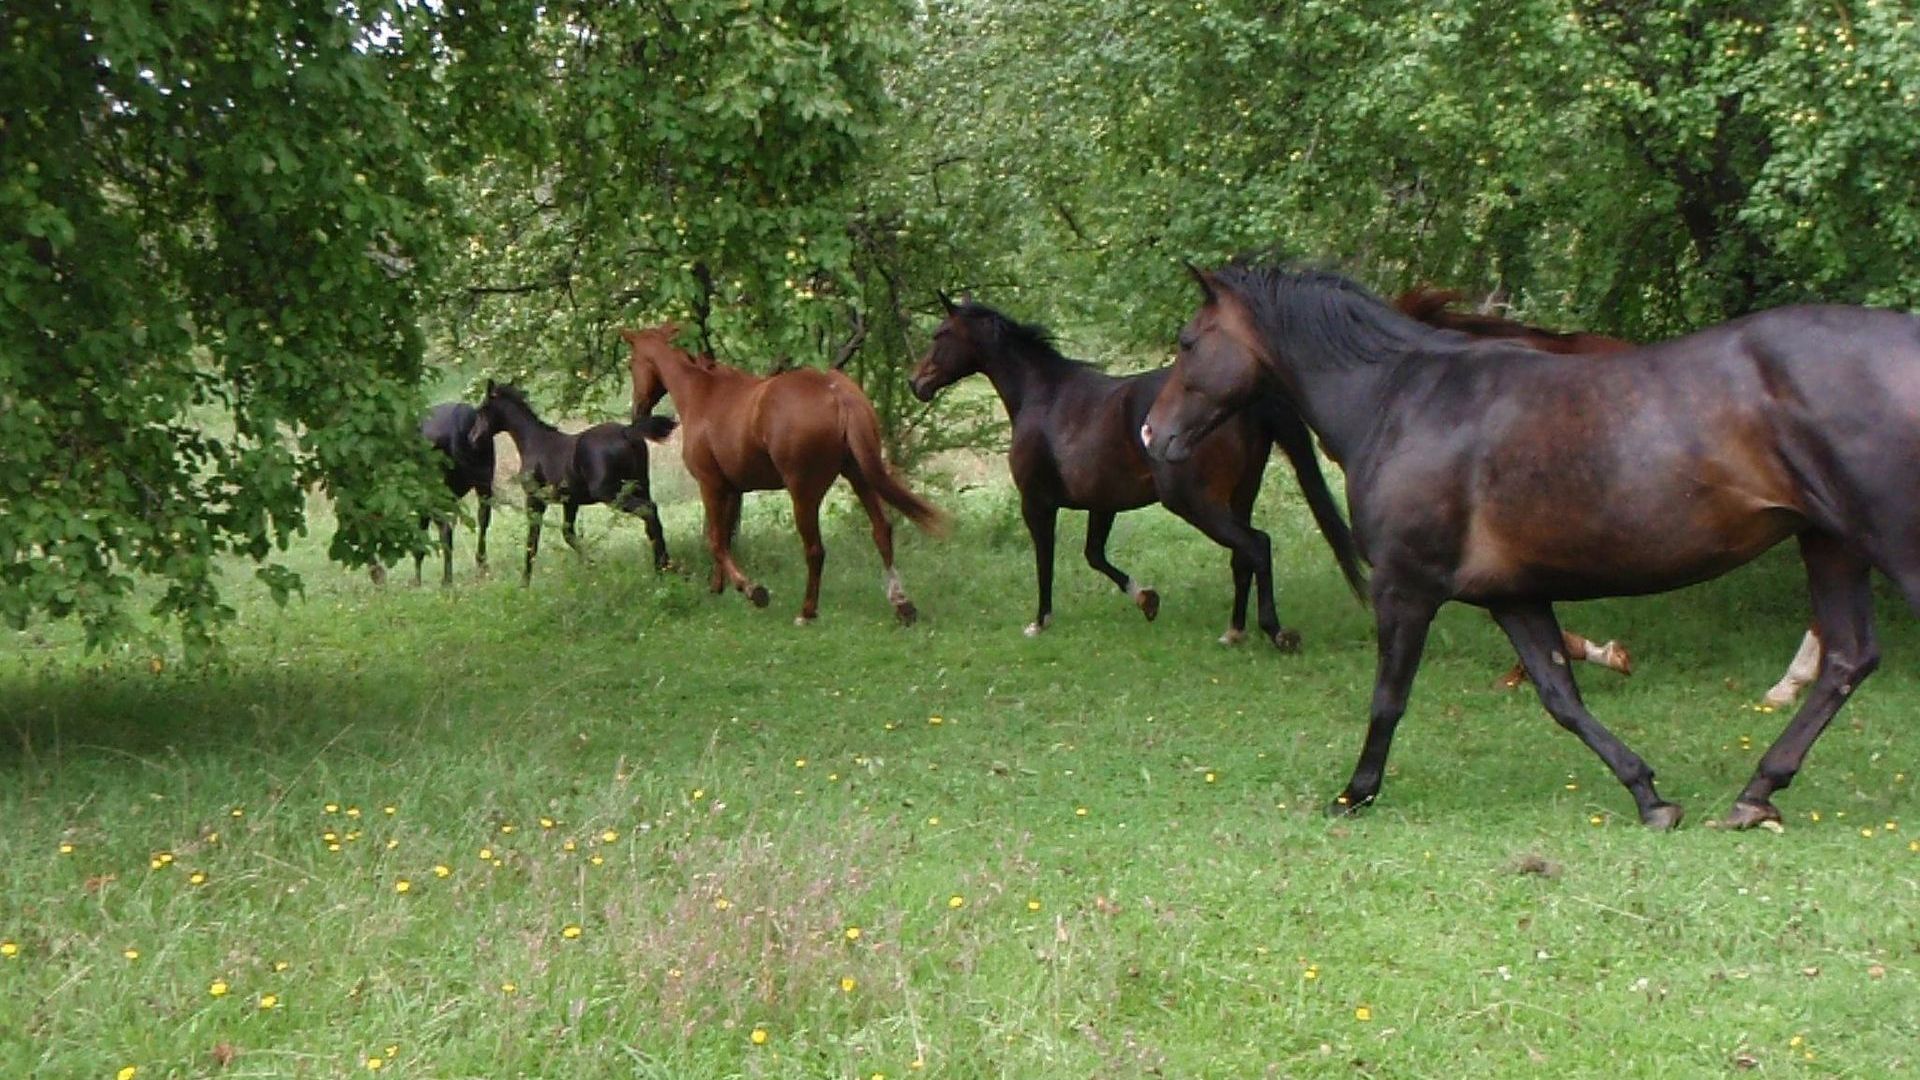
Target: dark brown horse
x=1490, y=474
x=797, y=430
x=1076, y=445
x=449, y=427
x=1434, y=307
x=606, y=463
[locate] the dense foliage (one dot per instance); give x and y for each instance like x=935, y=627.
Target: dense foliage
x=235, y=239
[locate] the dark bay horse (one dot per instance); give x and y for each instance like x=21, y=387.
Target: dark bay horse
x=1487, y=473
x=1434, y=307
x=606, y=463
x=797, y=430
x=1076, y=445
x=449, y=426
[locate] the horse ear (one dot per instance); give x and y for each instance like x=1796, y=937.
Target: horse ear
x=1206, y=282
x=490, y=387
x=669, y=330
x=947, y=301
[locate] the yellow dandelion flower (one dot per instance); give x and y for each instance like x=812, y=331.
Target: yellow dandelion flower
x=609, y=836
x=853, y=933
x=1813, y=815
x=935, y=721
x=509, y=987
x=329, y=836
x=376, y=1063
x=699, y=793
x=1211, y=778
x=441, y=870
x=66, y=849
x=333, y=808
x=1597, y=819
x=673, y=973
x=596, y=860
x=847, y=984
x=486, y=854
x=833, y=776
x=956, y=901
x=506, y=828
x=569, y=846
x=1033, y=905
x=352, y=835
x=1913, y=845
x=1891, y=826
x=130, y=953
x=237, y=812
x=333, y=847
x=353, y=811
x=1312, y=972
x=1868, y=833
x=916, y=1064
x=1796, y=1041
x=269, y=1001
x=392, y=843
x=9, y=949
x=878, y=1076
x=1079, y=811
x=935, y=820
x=759, y=1036
x=570, y=931
x=1363, y=1014
x=403, y=885
x=722, y=903
x=213, y=838
x=281, y=965
x=393, y=1051
x=198, y=877
x=389, y=810
x=547, y=823
x=1571, y=786
x=127, y=1072
x=219, y=988
x=889, y=725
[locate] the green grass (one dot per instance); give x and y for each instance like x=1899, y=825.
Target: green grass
x=1128, y=815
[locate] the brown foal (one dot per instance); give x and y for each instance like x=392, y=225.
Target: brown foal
x=796, y=430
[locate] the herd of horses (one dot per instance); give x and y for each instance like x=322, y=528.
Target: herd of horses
x=1486, y=461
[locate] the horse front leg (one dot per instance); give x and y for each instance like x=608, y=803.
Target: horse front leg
x=1252, y=568
x=1838, y=582
x=1401, y=620
x=536, y=510
x=484, y=496
x=1099, y=527
x=1537, y=637
x=446, y=552
x=1041, y=517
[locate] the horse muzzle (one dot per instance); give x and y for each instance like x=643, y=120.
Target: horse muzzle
x=1171, y=447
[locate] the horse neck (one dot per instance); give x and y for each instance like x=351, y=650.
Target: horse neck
x=1021, y=375
x=1342, y=402
x=524, y=428
x=687, y=383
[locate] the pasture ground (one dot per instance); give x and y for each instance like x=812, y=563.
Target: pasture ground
x=613, y=826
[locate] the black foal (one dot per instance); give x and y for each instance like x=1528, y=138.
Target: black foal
x=448, y=426
x=606, y=463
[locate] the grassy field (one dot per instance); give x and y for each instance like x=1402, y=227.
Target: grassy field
x=613, y=826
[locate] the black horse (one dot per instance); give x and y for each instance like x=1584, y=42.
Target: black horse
x=1495, y=475
x=1076, y=445
x=449, y=426
x=606, y=463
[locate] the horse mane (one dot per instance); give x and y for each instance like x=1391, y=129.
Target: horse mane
x=1330, y=314
x=512, y=393
x=1029, y=339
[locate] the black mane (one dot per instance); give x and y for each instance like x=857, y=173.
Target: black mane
x=1330, y=315
x=512, y=394
x=1008, y=335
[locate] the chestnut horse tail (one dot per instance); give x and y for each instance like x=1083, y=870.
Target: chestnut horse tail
x=862, y=427
x=1290, y=433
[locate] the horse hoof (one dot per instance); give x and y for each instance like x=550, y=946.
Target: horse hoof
x=1287, y=641
x=1662, y=817
x=1615, y=656
x=1746, y=815
x=907, y=614
x=1780, y=697
x=1149, y=602
x=758, y=597
x=1514, y=679
x=1347, y=805
x=804, y=620
x=1038, y=626
x=1233, y=637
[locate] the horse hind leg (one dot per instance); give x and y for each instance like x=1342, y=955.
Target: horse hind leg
x=1838, y=582
x=723, y=522
x=1099, y=527
x=896, y=591
x=806, y=521
x=446, y=552
x=1537, y=637
x=1231, y=528
x=1613, y=656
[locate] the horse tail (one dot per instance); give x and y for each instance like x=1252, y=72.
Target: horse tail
x=645, y=429
x=862, y=427
x=1427, y=304
x=1289, y=432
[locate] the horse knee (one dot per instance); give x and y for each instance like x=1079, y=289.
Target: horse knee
x=1848, y=668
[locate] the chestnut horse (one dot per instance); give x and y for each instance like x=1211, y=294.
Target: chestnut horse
x=1489, y=474
x=1076, y=445
x=795, y=430
x=1433, y=307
